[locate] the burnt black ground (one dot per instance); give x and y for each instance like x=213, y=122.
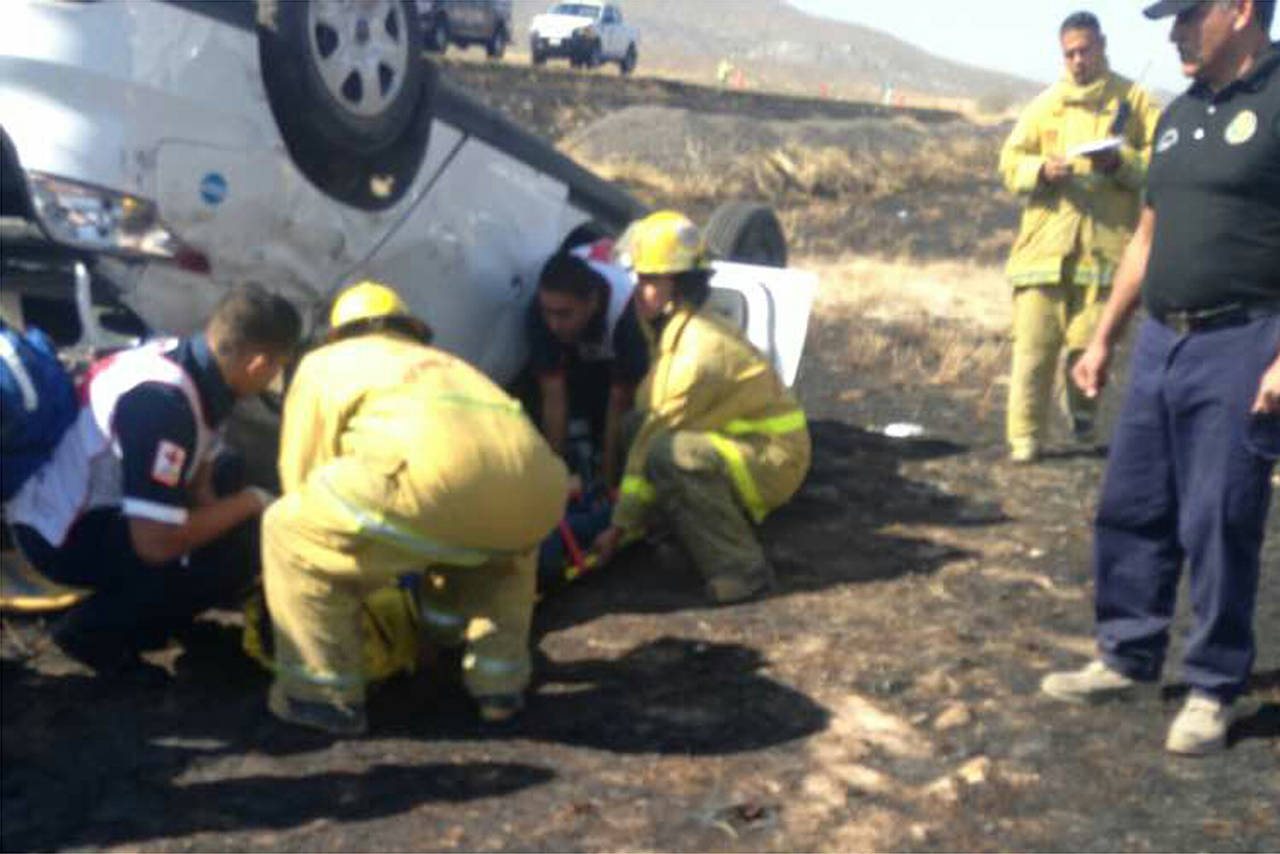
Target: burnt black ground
x=914, y=576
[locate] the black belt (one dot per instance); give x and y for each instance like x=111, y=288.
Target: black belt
x=1202, y=320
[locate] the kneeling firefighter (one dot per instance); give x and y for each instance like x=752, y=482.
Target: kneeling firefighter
x=396, y=457
x=721, y=440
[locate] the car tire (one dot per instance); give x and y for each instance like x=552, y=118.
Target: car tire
x=628, y=63
x=364, y=153
x=748, y=233
x=496, y=47
x=595, y=56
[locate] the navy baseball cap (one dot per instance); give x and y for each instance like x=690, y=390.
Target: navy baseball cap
x=1165, y=8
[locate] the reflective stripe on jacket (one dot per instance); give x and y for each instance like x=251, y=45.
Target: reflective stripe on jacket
x=706, y=377
x=1090, y=214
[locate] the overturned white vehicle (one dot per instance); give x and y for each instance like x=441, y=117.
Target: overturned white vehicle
x=156, y=153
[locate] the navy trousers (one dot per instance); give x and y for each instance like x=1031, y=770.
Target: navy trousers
x=1187, y=482
x=135, y=605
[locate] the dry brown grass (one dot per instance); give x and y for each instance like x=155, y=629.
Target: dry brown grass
x=913, y=324
x=795, y=173
x=896, y=290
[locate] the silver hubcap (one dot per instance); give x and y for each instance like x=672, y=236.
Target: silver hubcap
x=361, y=50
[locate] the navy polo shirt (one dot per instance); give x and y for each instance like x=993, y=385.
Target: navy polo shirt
x=1214, y=184
x=156, y=431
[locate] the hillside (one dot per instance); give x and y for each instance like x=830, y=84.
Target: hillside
x=779, y=47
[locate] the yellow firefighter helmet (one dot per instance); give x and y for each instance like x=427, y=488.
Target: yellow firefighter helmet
x=665, y=243
x=366, y=300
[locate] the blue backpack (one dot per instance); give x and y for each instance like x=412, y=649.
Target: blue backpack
x=37, y=405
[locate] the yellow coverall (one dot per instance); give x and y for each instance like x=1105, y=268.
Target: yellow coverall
x=721, y=436
x=1071, y=236
x=396, y=457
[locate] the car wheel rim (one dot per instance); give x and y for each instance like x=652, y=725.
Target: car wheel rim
x=360, y=48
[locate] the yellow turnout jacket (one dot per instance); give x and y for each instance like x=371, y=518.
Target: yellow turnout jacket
x=439, y=451
x=705, y=377
x=1090, y=214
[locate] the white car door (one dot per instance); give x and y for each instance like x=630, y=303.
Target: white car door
x=772, y=305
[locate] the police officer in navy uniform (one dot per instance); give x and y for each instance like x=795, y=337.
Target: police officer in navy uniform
x=126, y=505
x=1189, y=477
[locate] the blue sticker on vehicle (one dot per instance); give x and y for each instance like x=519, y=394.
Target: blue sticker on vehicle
x=213, y=188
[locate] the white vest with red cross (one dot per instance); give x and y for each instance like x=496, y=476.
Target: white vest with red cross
x=85, y=471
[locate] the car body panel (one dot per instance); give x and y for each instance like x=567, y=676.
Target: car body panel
x=471, y=269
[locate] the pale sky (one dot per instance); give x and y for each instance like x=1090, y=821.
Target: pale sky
x=1017, y=36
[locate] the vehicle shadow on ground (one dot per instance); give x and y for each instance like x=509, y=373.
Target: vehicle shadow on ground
x=88, y=763
x=669, y=696
x=837, y=530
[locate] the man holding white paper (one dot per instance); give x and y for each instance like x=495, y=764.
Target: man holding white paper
x=1079, y=155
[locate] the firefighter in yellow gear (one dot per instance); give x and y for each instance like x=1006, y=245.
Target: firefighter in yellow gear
x=397, y=458
x=1080, y=210
x=721, y=441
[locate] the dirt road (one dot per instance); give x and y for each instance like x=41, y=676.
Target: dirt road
x=883, y=698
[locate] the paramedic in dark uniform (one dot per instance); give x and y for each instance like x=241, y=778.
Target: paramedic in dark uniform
x=1189, y=477
x=588, y=354
x=126, y=506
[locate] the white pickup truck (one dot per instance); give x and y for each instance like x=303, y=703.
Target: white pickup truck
x=588, y=34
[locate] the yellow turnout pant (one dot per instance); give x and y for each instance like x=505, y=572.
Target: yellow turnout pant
x=1046, y=320
x=694, y=492
x=352, y=528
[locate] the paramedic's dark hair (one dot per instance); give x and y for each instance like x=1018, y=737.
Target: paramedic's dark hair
x=568, y=274
x=249, y=318
x=1080, y=21
x=693, y=286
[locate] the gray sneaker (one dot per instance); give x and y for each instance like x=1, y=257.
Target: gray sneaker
x=1202, y=725
x=1093, y=683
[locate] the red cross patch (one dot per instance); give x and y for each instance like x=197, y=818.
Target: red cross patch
x=167, y=466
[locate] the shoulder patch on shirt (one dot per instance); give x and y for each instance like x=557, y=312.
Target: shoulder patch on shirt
x=166, y=468
x=1168, y=140
x=1242, y=127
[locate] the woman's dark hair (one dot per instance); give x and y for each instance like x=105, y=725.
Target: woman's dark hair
x=402, y=324
x=565, y=273
x=693, y=286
